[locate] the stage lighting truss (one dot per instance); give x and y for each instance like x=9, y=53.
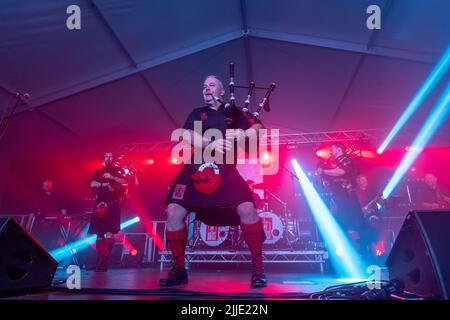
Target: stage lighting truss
x=269, y=256
x=291, y=140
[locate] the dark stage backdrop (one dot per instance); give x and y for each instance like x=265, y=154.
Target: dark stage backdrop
x=21, y=182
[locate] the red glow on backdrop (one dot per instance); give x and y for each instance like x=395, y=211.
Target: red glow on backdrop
x=127, y=244
x=368, y=154
x=95, y=164
x=379, y=248
x=136, y=205
x=148, y=226
x=323, y=153
x=265, y=158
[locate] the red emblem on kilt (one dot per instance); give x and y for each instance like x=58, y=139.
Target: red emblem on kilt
x=207, y=179
x=101, y=210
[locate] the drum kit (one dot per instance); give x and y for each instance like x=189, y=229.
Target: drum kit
x=282, y=231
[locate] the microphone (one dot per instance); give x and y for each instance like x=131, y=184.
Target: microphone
x=22, y=96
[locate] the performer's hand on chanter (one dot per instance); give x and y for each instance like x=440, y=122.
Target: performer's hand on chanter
x=220, y=145
x=232, y=135
x=108, y=175
x=107, y=185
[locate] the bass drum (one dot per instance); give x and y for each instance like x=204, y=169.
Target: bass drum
x=213, y=236
x=273, y=227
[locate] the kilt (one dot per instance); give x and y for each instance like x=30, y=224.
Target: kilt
x=349, y=213
x=218, y=208
x=109, y=223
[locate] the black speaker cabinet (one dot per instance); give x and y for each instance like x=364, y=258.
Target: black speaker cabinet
x=420, y=256
x=24, y=263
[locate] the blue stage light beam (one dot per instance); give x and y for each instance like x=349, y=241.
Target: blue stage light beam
x=430, y=82
x=430, y=126
x=60, y=254
x=342, y=253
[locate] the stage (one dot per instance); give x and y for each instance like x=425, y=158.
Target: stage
x=142, y=284
x=303, y=140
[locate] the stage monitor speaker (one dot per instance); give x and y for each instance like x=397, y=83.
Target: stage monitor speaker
x=420, y=256
x=24, y=263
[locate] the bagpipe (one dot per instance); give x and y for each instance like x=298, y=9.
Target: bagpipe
x=124, y=169
x=207, y=179
x=127, y=170
x=326, y=182
x=231, y=108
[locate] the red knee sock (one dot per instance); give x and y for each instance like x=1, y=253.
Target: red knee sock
x=105, y=251
x=253, y=235
x=100, y=246
x=109, y=244
x=177, y=244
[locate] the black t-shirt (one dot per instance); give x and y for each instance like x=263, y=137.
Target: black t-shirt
x=211, y=118
x=221, y=119
x=104, y=193
x=346, y=181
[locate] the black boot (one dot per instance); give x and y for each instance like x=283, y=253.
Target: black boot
x=259, y=279
x=102, y=265
x=177, y=275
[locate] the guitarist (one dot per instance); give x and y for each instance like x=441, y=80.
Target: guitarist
x=225, y=200
x=108, y=183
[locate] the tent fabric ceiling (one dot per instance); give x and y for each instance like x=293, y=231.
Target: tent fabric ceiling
x=134, y=70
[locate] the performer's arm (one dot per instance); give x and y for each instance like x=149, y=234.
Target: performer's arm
x=96, y=184
x=115, y=178
x=120, y=180
x=197, y=140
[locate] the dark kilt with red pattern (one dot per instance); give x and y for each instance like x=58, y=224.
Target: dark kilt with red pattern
x=218, y=208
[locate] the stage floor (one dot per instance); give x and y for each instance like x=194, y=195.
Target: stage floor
x=142, y=284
